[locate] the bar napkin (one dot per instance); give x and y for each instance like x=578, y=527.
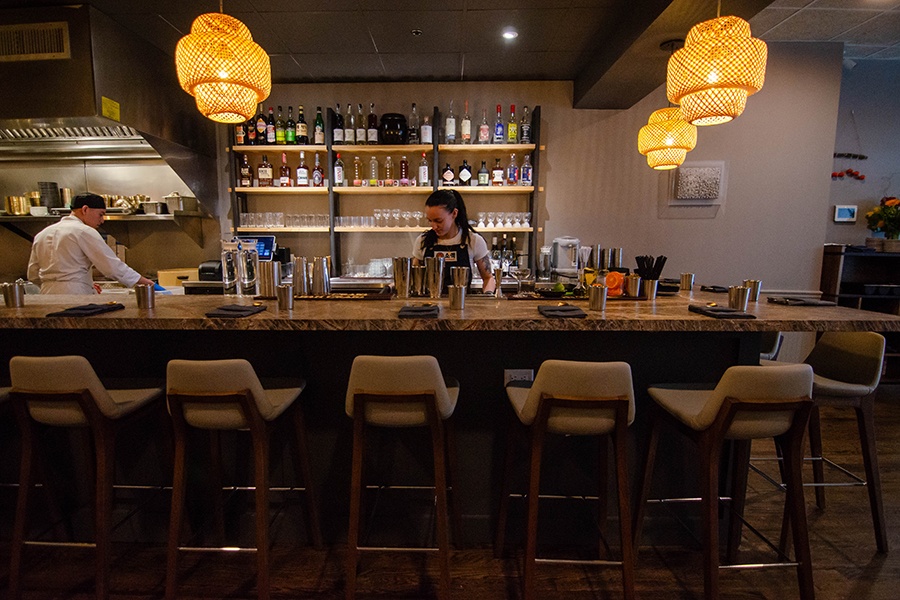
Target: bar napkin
x=720, y=312
x=788, y=301
x=87, y=310
x=562, y=312
x=716, y=289
x=420, y=312
x=234, y=311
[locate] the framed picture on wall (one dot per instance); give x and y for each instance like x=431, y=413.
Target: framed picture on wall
x=845, y=213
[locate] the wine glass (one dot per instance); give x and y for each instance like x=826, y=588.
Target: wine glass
x=395, y=215
x=521, y=273
x=378, y=216
x=406, y=214
x=526, y=220
x=490, y=221
x=480, y=220
x=508, y=222
x=517, y=219
x=417, y=215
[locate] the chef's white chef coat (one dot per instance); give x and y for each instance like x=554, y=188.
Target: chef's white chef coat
x=63, y=253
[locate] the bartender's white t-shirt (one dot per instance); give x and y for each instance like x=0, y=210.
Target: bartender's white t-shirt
x=477, y=247
x=62, y=256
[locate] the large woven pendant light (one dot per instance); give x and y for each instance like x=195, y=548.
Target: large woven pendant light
x=666, y=139
x=223, y=68
x=718, y=68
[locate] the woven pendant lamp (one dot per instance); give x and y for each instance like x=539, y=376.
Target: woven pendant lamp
x=223, y=68
x=666, y=139
x=718, y=68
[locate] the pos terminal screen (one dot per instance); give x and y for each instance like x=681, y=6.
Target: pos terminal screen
x=265, y=245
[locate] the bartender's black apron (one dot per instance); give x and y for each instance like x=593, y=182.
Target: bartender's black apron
x=455, y=255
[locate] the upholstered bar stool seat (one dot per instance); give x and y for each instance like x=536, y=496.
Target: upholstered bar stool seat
x=571, y=398
x=403, y=391
x=64, y=391
x=749, y=402
x=227, y=395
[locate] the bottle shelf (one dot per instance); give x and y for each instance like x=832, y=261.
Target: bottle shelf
x=490, y=189
x=270, y=230
x=421, y=190
x=484, y=230
x=283, y=191
x=270, y=148
x=407, y=149
x=486, y=147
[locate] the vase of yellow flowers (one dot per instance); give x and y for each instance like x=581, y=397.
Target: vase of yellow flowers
x=885, y=218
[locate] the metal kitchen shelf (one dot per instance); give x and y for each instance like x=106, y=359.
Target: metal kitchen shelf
x=283, y=191
x=271, y=230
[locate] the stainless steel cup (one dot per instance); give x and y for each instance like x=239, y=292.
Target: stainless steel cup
x=459, y=276
x=301, y=275
x=498, y=280
x=14, y=295
x=434, y=276
x=145, y=295
x=755, y=285
x=611, y=257
x=418, y=280
x=321, y=276
x=649, y=287
x=269, y=277
x=401, y=276
x=457, y=296
x=687, y=282
x=738, y=295
x=284, y=294
x=597, y=297
x=633, y=285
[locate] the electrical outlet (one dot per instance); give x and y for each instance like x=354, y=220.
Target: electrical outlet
x=517, y=375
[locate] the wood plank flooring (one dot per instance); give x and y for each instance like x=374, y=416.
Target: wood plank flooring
x=843, y=549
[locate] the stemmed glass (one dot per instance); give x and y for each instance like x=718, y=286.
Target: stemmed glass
x=490, y=221
x=526, y=220
x=378, y=217
x=480, y=220
x=395, y=215
x=417, y=215
x=508, y=222
x=517, y=219
x=520, y=273
x=406, y=214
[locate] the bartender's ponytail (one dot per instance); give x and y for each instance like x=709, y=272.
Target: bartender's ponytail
x=450, y=200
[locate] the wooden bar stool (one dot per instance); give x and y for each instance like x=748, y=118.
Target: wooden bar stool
x=227, y=395
x=572, y=398
x=403, y=391
x=64, y=391
x=749, y=402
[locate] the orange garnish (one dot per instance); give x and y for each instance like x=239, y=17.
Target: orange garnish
x=614, y=283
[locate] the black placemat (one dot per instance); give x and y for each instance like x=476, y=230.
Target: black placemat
x=562, y=312
x=720, y=312
x=792, y=301
x=716, y=289
x=420, y=312
x=88, y=310
x=234, y=311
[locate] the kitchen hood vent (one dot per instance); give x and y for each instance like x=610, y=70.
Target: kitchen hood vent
x=68, y=133
x=35, y=41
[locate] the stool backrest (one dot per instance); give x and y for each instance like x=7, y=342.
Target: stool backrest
x=760, y=385
x=580, y=380
x=849, y=356
x=386, y=375
x=216, y=377
x=56, y=375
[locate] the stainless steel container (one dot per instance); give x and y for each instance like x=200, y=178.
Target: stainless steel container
x=145, y=296
x=633, y=285
x=459, y=276
x=597, y=297
x=457, y=296
x=401, y=266
x=434, y=276
x=301, y=276
x=14, y=294
x=755, y=285
x=285, y=296
x=269, y=277
x=321, y=278
x=649, y=288
x=687, y=282
x=611, y=258
x=738, y=296
x=418, y=280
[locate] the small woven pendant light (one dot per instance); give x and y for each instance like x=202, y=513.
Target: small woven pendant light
x=718, y=68
x=666, y=139
x=223, y=68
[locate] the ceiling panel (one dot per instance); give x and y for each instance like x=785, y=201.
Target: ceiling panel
x=885, y=30
x=577, y=29
x=423, y=67
x=520, y=65
x=892, y=53
x=298, y=7
x=155, y=29
x=321, y=32
x=335, y=67
x=817, y=25
x=440, y=31
x=484, y=28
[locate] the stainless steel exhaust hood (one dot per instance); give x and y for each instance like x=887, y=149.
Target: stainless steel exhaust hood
x=78, y=85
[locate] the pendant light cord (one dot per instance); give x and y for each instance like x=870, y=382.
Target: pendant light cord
x=718, y=8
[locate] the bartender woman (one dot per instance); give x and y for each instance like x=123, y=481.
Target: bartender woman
x=452, y=237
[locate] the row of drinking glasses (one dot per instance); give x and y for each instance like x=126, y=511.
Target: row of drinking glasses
x=494, y=220
x=271, y=220
x=395, y=217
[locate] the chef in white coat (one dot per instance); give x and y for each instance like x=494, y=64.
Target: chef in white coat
x=62, y=254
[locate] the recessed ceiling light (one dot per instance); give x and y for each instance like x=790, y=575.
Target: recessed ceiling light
x=509, y=33
x=416, y=32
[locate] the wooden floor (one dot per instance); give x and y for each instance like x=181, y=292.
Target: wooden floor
x=843, y=550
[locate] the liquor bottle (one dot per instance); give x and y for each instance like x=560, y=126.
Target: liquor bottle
x=357, y=171
x=497, y=173
x=447, y=175
x=495, y=255
x=302, y=128
x=504, y=256
x=264, y=172
x=465, y=173
x=337, y=132
x=525, y=173
x=279, y=128
x=260, y=126
x=499, y=127
x=245, y=173
x=372, y=125
x=284, y=178
x=484, y=130
x=425, y=130
x=290, y=128
x=413, y=125
x=373, y=172
x=338, y=170
x=240, y=134
x=360, y=126
x=404, y=171
x=424, y=178
x=484, y=176
x=349, y=126
x=512, y=126
x=512, y=171
x=302, y=171
x=513, y=257
x=388, y=171
x=450, y=127
x=465, y=127
x=270, y=127
x=525, y=127
x=319, y=132
x=318, y=179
